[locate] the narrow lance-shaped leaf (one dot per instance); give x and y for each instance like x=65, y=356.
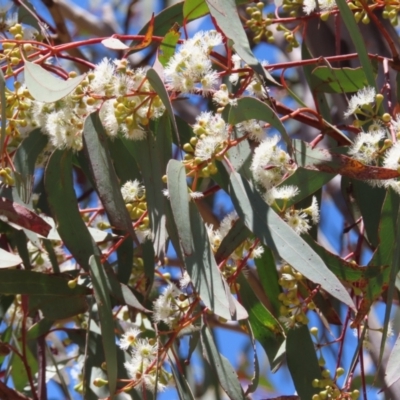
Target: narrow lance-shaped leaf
x=24, y=161
x=266, y=329
x=392, y=368
x=106, y=320
x=44, y=86
x=178, y=192
x=204, y=272
x=276, y=234
x=227, y=376
x=226, y=15
x=358, y=41
x=158, y=85
x=104, y=176
x=148, y=157
x=302, y=361
x=61, y=196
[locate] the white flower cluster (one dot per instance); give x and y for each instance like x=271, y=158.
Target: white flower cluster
x=168, y=307
x=212, y=131
x=132, y=104
x=323, y=5
x=270, y=163
x=132, y=191
x=216, y=236
x=253, y=127
x=362, y=98
x=191, y=68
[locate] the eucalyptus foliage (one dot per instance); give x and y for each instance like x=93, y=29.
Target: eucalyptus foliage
x=113, y=261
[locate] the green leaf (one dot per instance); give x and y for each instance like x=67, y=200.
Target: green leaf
x=268, y=276
x=148, y=154
x=106, y=320
x=338, y=80
x=387, y=229
x=164, y=20
x=226, y=15
x=182, y=385
x=234, y=238
x=39, y=328
x=227, y=376
x=178, y=192
x=8, y=259
x=204, y=272
x=158, y=85
x=104, y=176
x=345, y=270
x=24, y=161
x=193, y=9
x=18, y=369
x=44, y=86
x=302, y=361
x=168, y=46
x=369, y=198
x=29, y=282
x=58, y=307
x=335, y=163
x=358, y=41
x=266, y=329
x=250, y=108
x=122, y=158
x=308, y=181
x=276, y=234
x=62, y=200
x=394, y=270
x=392, y=368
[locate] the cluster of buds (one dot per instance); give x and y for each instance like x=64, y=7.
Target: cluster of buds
x=293, y=310
x=258, y=24
x=390, y=12
x=289, y=36
x=6, y=176
x=359, y=12
x=330, y=390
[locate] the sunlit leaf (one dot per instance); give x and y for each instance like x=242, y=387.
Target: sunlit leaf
x=193, y=9
x=178, y=192
x=276, y=234
x=168, y=45
x=338, y=80
x=392, y=368
x=114, y=44
x=8, y=259
x=44, y=86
